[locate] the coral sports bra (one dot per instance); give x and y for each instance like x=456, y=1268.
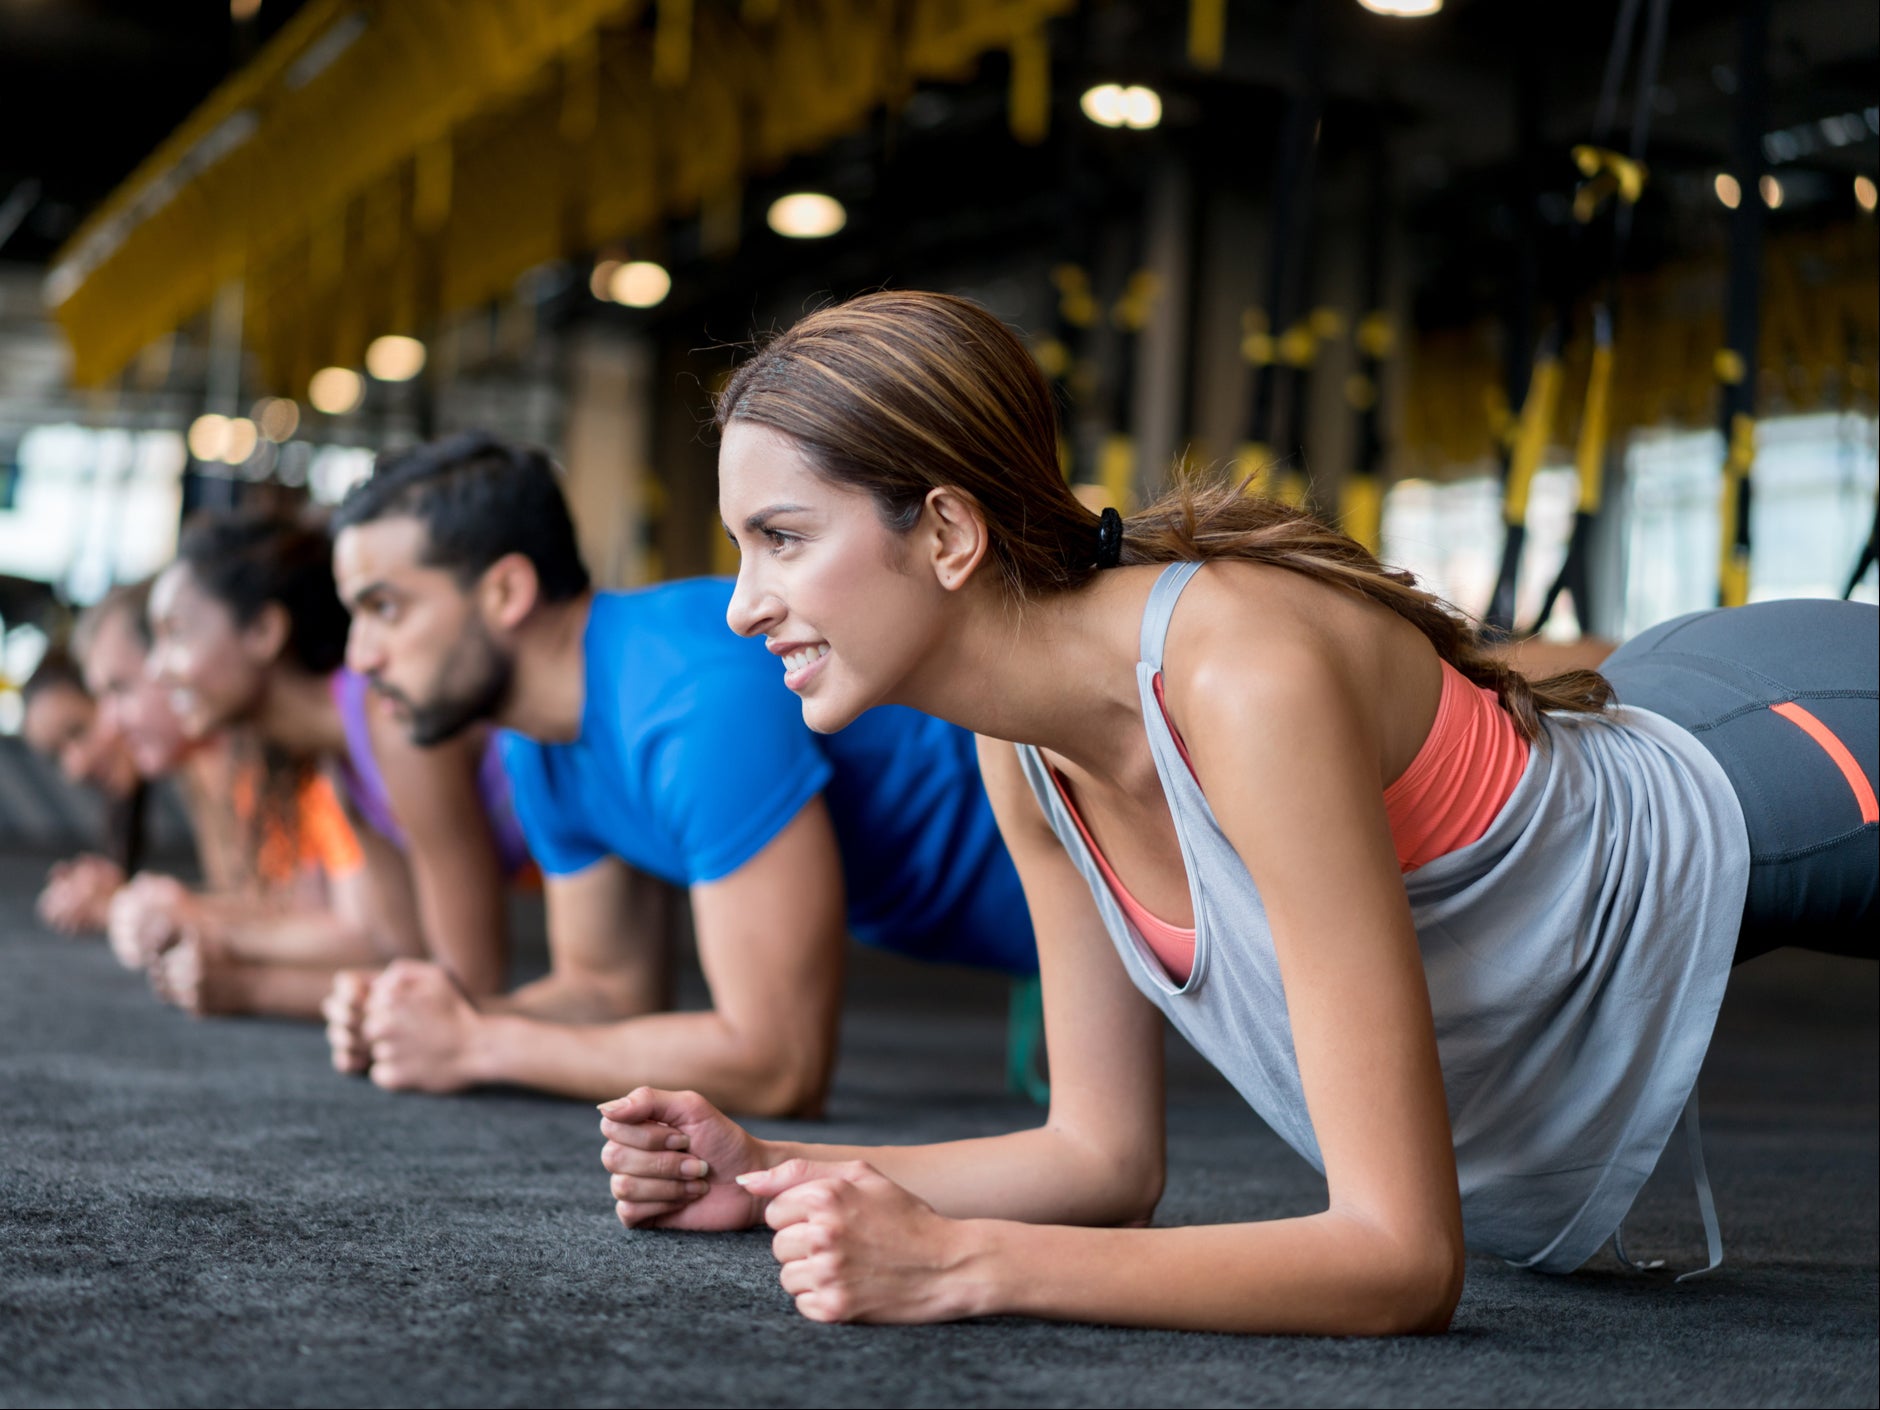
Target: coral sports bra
x=1465, y=772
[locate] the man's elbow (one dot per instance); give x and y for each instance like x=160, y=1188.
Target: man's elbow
x=1128, y=1189
x=785, y=1080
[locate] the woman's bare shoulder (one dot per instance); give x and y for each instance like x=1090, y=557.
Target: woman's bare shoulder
x=1248, y=638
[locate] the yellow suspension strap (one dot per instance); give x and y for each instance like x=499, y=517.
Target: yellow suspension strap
x=1615, y=179
x=1736, y=361
x=1207, y=33
x=1532, y=433
x=1278, y=340
x=672, y=43
x=1061, y=356
x=1298, y=353
x=1361, y=498
x=1253, y=458
x=1607, y=174
x=1116, y=464
x=1029, y=106
x=1733, y=569
x=1361, y=501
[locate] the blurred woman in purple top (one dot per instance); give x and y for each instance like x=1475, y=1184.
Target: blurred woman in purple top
x=249, y=630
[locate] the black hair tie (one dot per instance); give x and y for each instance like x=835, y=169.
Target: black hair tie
x=1109, y=539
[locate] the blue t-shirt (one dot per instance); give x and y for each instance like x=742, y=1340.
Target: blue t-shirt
x=693, y=755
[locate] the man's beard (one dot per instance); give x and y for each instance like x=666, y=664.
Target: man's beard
x=472, y=687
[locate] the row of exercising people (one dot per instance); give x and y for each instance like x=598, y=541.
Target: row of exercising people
x=1458, y=936
x=644, y=749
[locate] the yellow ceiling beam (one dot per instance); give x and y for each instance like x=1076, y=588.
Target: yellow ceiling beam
x=385, y=160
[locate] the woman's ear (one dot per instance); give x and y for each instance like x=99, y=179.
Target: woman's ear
x=265, y=637
x=956, y=530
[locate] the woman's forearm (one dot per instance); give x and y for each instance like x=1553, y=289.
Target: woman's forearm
x=264, y=934
x=270, y=990
x=1042, y=1176
x=1324, y=1274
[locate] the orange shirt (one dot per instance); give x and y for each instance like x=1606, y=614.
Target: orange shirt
x=321, y=837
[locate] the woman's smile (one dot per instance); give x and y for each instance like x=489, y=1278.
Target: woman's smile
x=801, y=661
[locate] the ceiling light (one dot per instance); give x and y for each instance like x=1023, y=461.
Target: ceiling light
x=601, y=280
x=640, y=284
x=1104, y=104
x=207, y=436
x=1142, y=107
x=395, y=358
x=1402, y=9
x=807, y=215
x=1729, y=191
x=1113, y=105
x=239, y=440
x=1864, y=193
x=336, y=391
x=277, y=417
x=1771, y=192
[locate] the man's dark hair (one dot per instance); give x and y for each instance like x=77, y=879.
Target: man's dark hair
x=56, y=671
x=246, y=559
x=479, y=500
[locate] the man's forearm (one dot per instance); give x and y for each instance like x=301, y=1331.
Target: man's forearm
x=696, y=1051
x=556, y=999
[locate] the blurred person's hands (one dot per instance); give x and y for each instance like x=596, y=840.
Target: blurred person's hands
x=674, y=1159
x=147, y=917
x=345, y=1012
x=78, y=892
x=195, y=974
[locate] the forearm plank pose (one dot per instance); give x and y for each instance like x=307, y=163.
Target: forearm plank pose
x=64, y=720
x=250, y=634
x=649, y=750
x=1458, y=937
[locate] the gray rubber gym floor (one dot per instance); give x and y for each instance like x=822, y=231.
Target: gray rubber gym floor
x=202, y=1214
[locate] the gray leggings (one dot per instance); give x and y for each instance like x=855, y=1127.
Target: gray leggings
x=1767, y=689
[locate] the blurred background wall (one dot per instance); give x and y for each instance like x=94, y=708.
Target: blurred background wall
x=1571, y=308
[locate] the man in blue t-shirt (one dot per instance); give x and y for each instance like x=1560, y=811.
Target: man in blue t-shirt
x=649, y=748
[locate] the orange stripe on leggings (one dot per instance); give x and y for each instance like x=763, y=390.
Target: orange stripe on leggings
x=1837, y=751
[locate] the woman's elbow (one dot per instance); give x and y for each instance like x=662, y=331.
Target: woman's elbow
x=1420, y=1287
x=1139, y=1191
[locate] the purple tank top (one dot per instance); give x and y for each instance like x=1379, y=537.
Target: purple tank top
x=365, y=785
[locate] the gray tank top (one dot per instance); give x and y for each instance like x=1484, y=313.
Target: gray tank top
x=1576, y=956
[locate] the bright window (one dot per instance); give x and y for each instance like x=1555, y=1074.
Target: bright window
x=92, y=507
x=1450, y=535
x=1811, y=509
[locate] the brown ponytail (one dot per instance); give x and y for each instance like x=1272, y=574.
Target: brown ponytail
x=897, y=394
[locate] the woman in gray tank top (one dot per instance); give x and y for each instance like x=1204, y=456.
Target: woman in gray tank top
x=1487, y=1052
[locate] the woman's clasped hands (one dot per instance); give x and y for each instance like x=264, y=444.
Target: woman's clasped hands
x=853, y=1245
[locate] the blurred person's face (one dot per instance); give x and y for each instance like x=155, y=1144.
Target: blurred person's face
x=131, y=703
x=64, y=724
x=213, y=669
x=843, y=600
x=417, y=633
